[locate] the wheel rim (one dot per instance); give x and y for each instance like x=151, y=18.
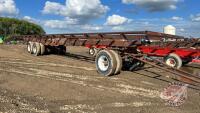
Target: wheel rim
x=91, y=51
x=103, y=63
x=171, y=62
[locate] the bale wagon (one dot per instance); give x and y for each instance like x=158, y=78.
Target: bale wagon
x=130, y=50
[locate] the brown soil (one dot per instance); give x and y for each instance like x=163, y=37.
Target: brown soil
x=70, y=84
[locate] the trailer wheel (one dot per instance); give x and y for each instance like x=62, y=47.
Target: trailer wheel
x=106, y=63
x=174, y=60
x=36, y=49
x=30, y=47
x=42, y=49
x=93, y=52
x=119, y=62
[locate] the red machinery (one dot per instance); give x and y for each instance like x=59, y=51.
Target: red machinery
x=175, y=51
x=185, y=55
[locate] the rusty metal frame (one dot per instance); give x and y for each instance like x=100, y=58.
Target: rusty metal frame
x=111, y=39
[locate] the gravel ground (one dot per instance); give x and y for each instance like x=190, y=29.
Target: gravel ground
x=70, y=84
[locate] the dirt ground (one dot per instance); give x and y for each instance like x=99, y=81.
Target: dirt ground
x=70, y=84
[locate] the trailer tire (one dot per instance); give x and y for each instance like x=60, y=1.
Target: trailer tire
x=174, y=60
x=106, y=63
x=119, y=62
x=30, y=47
x=93, y=52
x=36, y=49
x=42, y=49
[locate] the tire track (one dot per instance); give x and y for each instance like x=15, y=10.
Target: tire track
x=115, y=86
x=49, y=64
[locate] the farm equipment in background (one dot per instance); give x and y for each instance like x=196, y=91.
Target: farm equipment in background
x=130, y=50
x=1, y=39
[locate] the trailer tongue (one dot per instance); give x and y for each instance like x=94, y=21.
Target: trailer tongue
x=114, y=51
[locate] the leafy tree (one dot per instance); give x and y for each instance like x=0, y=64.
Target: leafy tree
x=12, y=26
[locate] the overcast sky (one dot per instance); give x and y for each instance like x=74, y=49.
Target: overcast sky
x=63, y=16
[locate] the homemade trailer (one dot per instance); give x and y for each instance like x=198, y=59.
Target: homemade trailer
x=130, y=50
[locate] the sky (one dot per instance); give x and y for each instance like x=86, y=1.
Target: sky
x=71, y=16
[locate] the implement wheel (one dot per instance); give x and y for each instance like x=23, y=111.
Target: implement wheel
x=93, y=52
x=106, y=63
x=173, y=60
x=36, y=49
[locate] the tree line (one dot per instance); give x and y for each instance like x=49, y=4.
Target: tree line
x=12, y=26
